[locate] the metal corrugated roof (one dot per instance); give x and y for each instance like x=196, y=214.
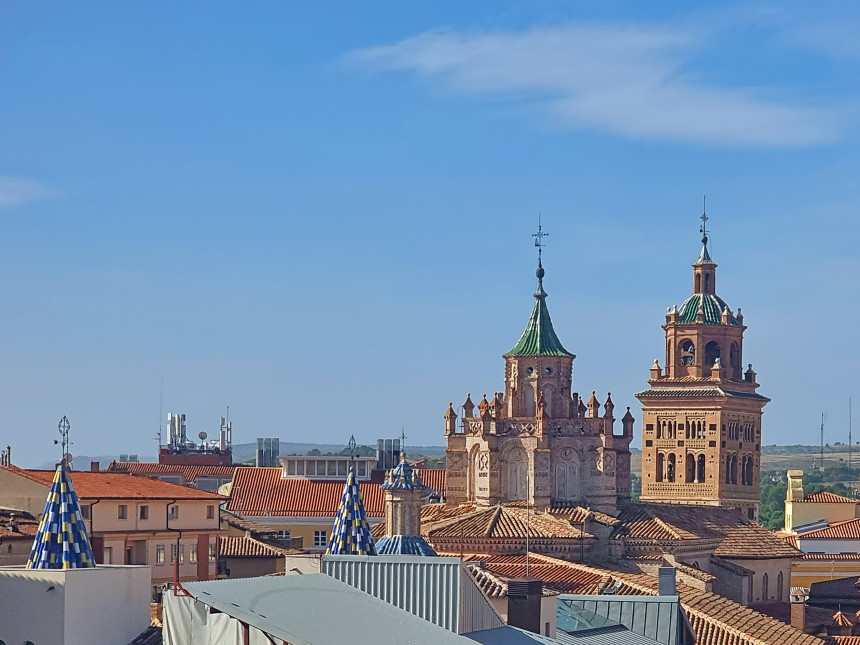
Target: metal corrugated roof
x=316, y=609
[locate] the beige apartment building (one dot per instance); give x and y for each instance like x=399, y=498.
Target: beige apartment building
x=133, y=520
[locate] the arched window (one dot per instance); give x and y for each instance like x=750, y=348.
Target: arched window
x=779, y=587
x=661, y=465
x=735, y=361
x=700, y=470
x=748, y=471
x=707, y=283
x=567, y=481
x=734, y=469
x=690, y=468
x=528, y=394
x=728, y=469
x=670, y=469
x=698, y=283
x=473, y=473
x=764, y=586
x=547, y=401
x=687, y=353
x=517, y=482
x=712, y=353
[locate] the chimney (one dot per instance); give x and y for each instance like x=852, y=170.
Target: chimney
x=524, y=600
x=95, y=466
x=666, y=581
x=13, y=523
x=798, y=597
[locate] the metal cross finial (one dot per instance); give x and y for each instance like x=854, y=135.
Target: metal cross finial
x=402, y=439
x=63, y=427
x=539, y=243
x=703, y=229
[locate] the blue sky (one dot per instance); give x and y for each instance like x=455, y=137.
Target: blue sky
x=320, y=213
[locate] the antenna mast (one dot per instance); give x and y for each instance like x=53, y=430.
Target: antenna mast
x=821, y=465
x=849, y=432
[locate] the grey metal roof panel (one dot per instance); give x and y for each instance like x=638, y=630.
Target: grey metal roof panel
x=316, y=609
x=653, y=617
x=513, y=636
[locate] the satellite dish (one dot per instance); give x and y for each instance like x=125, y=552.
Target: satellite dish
x=202, y=435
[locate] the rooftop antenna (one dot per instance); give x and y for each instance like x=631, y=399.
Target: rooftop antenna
x=528, y=519
x=821, y=465
x=849, y=432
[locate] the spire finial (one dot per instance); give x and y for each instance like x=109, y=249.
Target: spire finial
x=539, y=243
x=703, y=229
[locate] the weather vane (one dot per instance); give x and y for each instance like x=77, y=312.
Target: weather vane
x=539, y=243
x=63, y=427
x=703, y=229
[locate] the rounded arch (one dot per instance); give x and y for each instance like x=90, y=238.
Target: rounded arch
x=690, y=468
x=686, y=352
x=548, y=394
x=528, y=400
x=661, y=466
x=779, y=583
x=670, y=467
x=764, y=584
x=472, y=473
x=700, y=469
x=516, y=471
x=735, y=361
x=712, y=353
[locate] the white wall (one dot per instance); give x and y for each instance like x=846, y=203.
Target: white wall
x=828, y=546
x=105, y=605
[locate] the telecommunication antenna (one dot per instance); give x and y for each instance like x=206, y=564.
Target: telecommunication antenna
x=821, y=465
x=850, y=448
x=160, y=413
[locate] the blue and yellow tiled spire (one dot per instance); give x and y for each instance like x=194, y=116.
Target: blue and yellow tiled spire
x=350, y=534
x=61, y=541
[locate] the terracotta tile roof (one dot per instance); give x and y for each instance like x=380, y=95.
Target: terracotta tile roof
x=248, y=547
x=262, y=491
x=838, y=588
x=501, y=522
x=841, y=619
x=737, y=537
x=153, y=469
x=846, y=529
x=715, y=619
x=244, y=525
x=826, y=497
x=579, y=514
x=26, y=529
x=842, y=640
x=830, y=556
x=90, y=485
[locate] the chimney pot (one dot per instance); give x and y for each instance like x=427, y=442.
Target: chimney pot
x=95, y=466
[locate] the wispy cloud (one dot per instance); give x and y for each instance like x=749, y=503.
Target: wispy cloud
x=624, y=79
x=15, y=191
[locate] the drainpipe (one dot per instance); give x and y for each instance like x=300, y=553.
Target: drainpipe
x=92, y=535
x=178, y=538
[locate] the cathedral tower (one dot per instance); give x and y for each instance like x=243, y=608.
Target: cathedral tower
x=537, y=441
x=701, y=439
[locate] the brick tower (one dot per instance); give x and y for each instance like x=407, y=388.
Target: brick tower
x=537, y=441
x=701, y=440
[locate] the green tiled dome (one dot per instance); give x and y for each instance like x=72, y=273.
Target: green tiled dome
x=712, y=305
